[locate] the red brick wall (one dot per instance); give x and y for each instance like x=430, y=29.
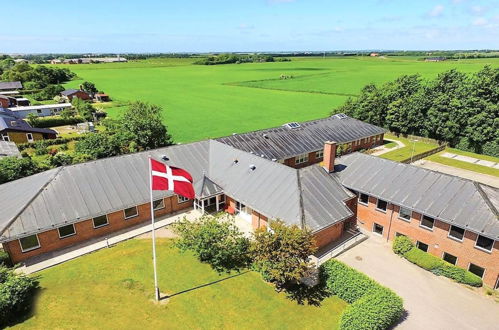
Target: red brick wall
x=50, y=241
x=437, y=239
x=329, y=234
x=258, y=220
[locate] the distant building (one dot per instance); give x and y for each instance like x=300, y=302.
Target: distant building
x=88, y=60
x=85, y=127
x=70, y=94
x=374, y=54
x=101, y=97
x=40, y=110
x=9, y=149
x=6, y=86
x=435, y=59
x=14, y=129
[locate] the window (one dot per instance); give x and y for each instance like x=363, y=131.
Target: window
x=303, y=158
x=159, y=204
x=29, y=136
x=397, y=234
x=100, y=221
x=484, y=243
x=427, y=222
x=240, y=207
x=131, y=212
x=456, y=233
x=319, y=154
x=450, y=258
x=381, y=205
x=39, y=111
x=422, y=246
x=29, y=243
x=182, y=199
x=477, y=270
x=363, y=199
x=378, y=229
x=66, y=231
x=5, y=137
x=405, y=214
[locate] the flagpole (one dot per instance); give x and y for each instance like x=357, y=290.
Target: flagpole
x=156, y=288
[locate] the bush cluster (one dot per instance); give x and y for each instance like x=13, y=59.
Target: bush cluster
x=372, y=306
x=403, y=246
x=45, y=143
x=44, y=122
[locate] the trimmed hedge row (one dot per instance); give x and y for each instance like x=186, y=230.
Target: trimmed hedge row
x=44, y=122
x=404, y=247
x=45, y=143
x=372, y=306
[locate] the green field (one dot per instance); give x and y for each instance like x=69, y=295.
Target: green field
x=112, y=289
x=210, y=101
x=411, y=148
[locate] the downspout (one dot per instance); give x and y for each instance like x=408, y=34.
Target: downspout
x=390, y=225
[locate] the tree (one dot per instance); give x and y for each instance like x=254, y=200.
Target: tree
x=84, y=109
x=281, y=253
x=33, y=119
x=98, y=145
x=90, y=88
x=12, y=168
x=143, y=121
x=215, y=240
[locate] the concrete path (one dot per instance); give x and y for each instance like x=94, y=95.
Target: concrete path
x=50, y=259
x=472, y=160
x=475, y=176
x=383, y=150
x=432, y=302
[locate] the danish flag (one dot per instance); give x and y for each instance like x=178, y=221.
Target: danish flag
x=171, y=178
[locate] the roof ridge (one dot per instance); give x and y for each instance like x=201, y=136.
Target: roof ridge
x=49, y=180
x=300, y=196
x=486, y=199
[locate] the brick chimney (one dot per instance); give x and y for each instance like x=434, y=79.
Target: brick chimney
x=329, y=156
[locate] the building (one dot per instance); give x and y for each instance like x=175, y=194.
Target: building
x=301, y=144
x=6, y=101
x=40, y=110
x=89, y=60
x=14, y=129
x=450, y=217
x=8, y=86
x=101, y=97
x=9, y=149
x=72, y=93
x=435, y=59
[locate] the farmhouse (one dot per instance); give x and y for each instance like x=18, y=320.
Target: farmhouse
x=40, y=110
x=69, y=94
x=6, y=86
x=453, y=218
x=16, y=130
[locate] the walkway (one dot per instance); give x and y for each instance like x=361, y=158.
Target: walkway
x=472, y=160
x=50, y=259
x=471, y=175
x=383, y=150
x=432, y=302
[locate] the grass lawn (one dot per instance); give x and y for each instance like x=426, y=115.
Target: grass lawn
x=465, y=165
x=113, y=288
x=202, y=102
x=407, y=151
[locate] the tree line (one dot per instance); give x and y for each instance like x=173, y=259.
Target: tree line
x=237, y=59
x=458, y=108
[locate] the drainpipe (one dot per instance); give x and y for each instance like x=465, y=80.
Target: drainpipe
x=390, y=225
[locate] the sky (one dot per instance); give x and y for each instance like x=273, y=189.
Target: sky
x=48, y=26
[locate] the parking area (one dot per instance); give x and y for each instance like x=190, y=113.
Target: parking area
x=432, y=302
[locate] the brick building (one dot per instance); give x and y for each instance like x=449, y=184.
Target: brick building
x=70, y=94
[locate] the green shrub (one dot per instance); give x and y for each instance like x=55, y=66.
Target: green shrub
x=372, y=306
x=376, y=310
x=43, y=122
x=46, y=143
x=4, y=258
x=402, y=245
x=423, y=259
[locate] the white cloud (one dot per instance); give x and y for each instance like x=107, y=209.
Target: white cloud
x=436, y=11
x=480, y=21
x=477, y=10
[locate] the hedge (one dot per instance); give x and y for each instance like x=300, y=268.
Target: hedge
x=372, y=306
x=403, y=246
x=50, y=142
x=44, y=122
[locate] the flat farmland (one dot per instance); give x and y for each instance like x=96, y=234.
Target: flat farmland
x=202, y=102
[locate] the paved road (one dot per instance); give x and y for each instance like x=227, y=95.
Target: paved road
x=479, y=177
x=432, y=302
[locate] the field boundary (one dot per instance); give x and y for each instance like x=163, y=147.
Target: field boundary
x=423, y=154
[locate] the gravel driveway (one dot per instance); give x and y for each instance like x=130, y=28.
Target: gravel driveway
x=432, y=302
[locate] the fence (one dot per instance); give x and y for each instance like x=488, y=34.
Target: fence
x=424, y=154
x=419, y=138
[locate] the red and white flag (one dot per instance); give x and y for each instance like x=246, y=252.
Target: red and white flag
x=171, y=178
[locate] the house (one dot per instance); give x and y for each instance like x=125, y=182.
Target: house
x=9, y=149
x=301, y=144
x=22, y=102
x=374, y=54
x=435, y=59
x=101, y=97
x=40, y=110
x=6, y=101
x=6, y=86
x=72, y=93
x=16, y=130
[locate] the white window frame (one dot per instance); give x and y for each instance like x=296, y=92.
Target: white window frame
x=484, y=269
x=381, y=210
x=360, y=201
x=421, y=222
x=162, y=204
x=74, y=231
x=410, y=214
x=301, y=159
x=30, y=249
x=99, y=226
x=133, y=216
x=182, y=199
x=5, y=137
x=319, y=154
x=28, y=137
x=481, y=248
x=382, y=231
x=455, y=238
x=443, y=255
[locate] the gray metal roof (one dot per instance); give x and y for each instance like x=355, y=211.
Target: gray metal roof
x=8, y=149
x=282, y=142
x=8, y=85
x=461, y=202
x=68, y=92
